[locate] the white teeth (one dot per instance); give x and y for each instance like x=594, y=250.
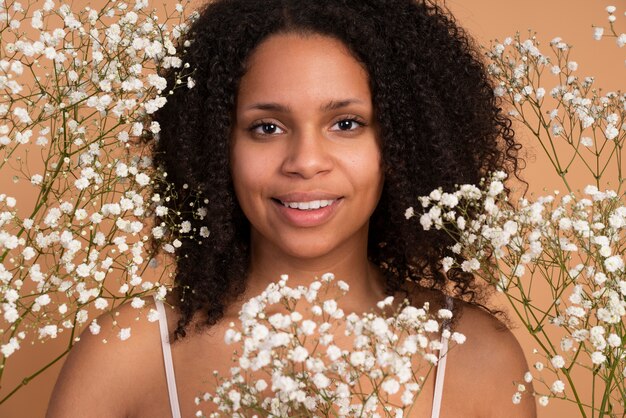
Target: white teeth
x=314, y=204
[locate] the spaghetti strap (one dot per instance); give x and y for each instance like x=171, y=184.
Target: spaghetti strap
x=167, y=360
x=441, y=366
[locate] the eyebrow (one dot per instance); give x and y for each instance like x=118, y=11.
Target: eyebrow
x=277, y=107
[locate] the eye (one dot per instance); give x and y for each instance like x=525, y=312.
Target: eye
x=348, y=124
x=266, y=128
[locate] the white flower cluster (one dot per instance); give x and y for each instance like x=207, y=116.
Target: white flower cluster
x=512, y=247
x=310, y=366
x=598, y=31
x=572, y=250
x=516, y=66
x=84, y=240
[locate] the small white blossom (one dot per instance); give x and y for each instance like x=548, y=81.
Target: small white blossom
x=101, y=303
x=470, y=265
x=447, y=263
x=142, y=179
x=557, y=362
x=540, y=93
x=597, y=33
x=597, y=357
x=43, y=300
x=611, y=132
x=458, y=337
x=48, y=331
x=137, y=302
x=321, y=381
x=124, y=334
x=558, y=386
x=614, y=263
x=9, y=348
x=391, y=386
x=586, y=141
x=153, y=315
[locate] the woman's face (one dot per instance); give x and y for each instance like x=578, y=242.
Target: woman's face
x=305, y=159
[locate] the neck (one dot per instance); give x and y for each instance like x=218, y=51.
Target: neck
x=349, y=263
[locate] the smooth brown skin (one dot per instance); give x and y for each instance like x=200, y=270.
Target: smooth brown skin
x=307, y=152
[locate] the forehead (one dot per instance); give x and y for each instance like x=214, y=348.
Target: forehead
x=285, y=67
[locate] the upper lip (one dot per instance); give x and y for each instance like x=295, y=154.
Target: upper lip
x=306, y=196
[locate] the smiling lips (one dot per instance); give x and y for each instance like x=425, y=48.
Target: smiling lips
x=307, y=209
x=313, y=204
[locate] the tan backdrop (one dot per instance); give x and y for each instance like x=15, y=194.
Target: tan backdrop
x=485, y=20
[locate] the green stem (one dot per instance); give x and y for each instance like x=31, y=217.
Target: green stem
x=26, y=380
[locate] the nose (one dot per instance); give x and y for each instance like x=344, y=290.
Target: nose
x=307, y=155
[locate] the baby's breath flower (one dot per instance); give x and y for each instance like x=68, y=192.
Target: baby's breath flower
x=321, y=381
x=597, y=357
x=447, y=263
x=586, y=141
x=48, y=331
x=391, y=386
x=9, y=348
x=458, y=337
x=614, y=263
x=124, y=334
x=101, y=303
x=528, y=377
x=557, y=387
x=137, y=302
x=470, y=265
x=557, y=362
x=611, y=132
x=597, y=33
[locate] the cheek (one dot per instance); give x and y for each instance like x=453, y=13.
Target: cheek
x=249, y=172
x=367, y=170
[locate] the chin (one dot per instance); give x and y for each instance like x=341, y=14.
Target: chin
x=308, y=250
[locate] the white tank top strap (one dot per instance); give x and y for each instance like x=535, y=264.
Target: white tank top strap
x=441, y=365
x=167, y=359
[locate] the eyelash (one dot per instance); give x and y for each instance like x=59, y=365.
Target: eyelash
x=261, y=124
x=353, y=119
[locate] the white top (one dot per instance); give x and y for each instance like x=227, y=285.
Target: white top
x=171, y=378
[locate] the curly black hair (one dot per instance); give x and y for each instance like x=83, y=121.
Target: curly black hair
x=440, y=125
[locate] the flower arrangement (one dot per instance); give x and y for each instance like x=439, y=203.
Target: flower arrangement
x=571, y=247
x=77, y=91
x=312, y=371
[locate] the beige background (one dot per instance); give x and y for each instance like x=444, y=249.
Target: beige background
x=485, y=20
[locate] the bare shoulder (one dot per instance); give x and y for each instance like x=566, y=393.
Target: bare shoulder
x=490, y=362
x=102, y=371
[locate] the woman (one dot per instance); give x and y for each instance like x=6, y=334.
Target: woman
x=311, y=128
